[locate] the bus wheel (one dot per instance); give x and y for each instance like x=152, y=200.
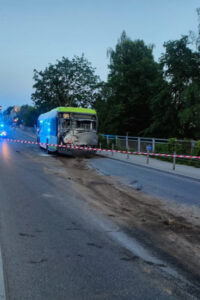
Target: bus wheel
x=49, y=151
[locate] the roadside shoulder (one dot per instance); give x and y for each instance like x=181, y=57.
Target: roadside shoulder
x=162, y=166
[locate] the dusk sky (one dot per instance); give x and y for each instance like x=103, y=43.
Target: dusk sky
x=34, y=33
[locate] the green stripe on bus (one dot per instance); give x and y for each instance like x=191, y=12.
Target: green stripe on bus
x=76, y=110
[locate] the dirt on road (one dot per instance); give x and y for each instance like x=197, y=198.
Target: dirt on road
x=173, y=230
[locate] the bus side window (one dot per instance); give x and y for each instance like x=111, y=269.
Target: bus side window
x=53, y=126
x=46, y=127
x=41, y=126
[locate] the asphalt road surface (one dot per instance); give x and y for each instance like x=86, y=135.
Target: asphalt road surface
x=178, y=188
x=53, y=247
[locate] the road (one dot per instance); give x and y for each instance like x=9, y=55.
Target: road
x=168, y=186
x=52, y=243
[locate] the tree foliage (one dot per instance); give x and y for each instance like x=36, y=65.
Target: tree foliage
x=28, y=115
x=164, y=115
x=133, y=80
x=181, y=67
x=8, y=110
x=66, y=83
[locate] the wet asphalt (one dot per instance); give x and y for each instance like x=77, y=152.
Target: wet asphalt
x=53, y=246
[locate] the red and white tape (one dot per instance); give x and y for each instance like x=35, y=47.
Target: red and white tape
x=101, y=150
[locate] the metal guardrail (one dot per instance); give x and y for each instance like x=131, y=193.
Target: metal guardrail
x=143, y=143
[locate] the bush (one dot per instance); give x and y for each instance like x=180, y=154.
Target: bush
x=28, y=115
x=161, y=148
x=172, y=145
x=196, y=150
x=102, y=141
x=180, y=148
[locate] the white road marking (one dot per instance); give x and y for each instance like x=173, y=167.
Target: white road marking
x=2, y=285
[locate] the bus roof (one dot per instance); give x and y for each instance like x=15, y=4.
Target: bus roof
x=77, y=110
x=52, y=113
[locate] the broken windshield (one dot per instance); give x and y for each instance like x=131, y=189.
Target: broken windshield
x=85, y=125
x=65, y=123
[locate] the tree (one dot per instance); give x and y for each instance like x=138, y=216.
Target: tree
x=28, y=115
x=67, y=83
x=189, y=115
x=198, y=36
x=164, y=117
x=181, y=67
x=193, y=36
x=133, y=80
x=101, y=106
x=8, y=110
x=178, y=66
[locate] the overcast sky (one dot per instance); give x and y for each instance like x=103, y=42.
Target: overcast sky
x=34, y=33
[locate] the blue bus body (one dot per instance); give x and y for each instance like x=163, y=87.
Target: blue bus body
x=67, y=126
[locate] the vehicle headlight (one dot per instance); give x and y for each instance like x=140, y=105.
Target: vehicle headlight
x=3, y=133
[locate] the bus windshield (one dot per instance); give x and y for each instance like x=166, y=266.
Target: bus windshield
x=65, y=123
x=86, y=125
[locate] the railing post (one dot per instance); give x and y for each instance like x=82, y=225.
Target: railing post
x=153, y=145
x=127, y=140
x=147, y=157
x=174, y=161
x=107, y=140
x=127, y=154
x=139, y=143
x=116, y=141
x=192, y=145
x=112, y=149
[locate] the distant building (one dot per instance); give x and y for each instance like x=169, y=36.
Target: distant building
x=15, y=110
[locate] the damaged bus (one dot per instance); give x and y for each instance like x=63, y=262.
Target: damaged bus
x=71, y=126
